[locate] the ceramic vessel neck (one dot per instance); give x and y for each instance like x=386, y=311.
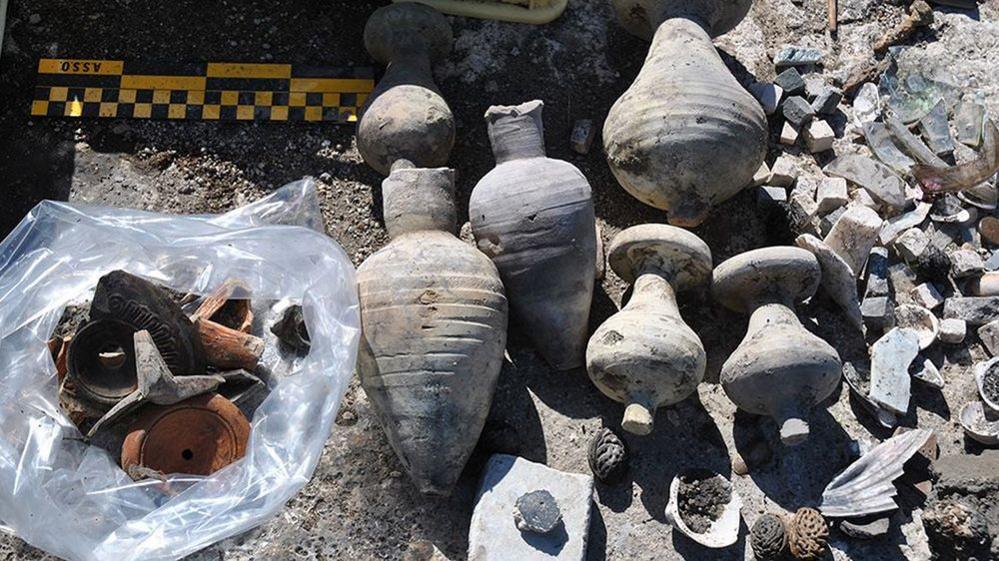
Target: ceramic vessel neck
x=419, y=199
x=516, y=132
x=773, y=312
x=654, y=290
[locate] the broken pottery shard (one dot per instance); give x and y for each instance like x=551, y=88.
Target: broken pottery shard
x=156, y=384
x=911, y=144
x=969, y=118
x=880, y=142
x=920, y=320
x=853, y=236
x=939, y=177
x=891, y=356
x=838, y=279
x=927, y=372
x=977, y=424
x=936, y=131
x=868, y=528
x=434, y=319
x=533, y=216
x=895, y=226
x=723, y=528
x=537, y=512
x=859, y=380
x=879, y=180
x=975, y=310
x=493, y=533
x=865, y=487
x=661, y=148
x=793, y=55
x=768, y=95
x=866, y=104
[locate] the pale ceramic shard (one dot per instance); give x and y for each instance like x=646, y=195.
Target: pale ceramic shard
x=780, y=369
x=969, y=118
x=880, y=142
x=879, y=180
x=433, y=320
x=645, y=356
x=533, y=216
x=685, y=136
x=936, y=130
x=405, y=116
x=891, y=357
x=853, y=236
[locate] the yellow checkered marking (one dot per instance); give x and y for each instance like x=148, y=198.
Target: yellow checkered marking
x=81, y=89
x=228, y=105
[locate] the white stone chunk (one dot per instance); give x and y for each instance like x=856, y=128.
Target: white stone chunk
x=853, y=236
x=819, y=136
x=927, y=296
x=832, y=194
x=788, y=134
x=953, y=330
x=783, y=173
x=911, y=244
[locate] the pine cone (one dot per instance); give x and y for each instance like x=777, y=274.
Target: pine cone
x=768, y=537
x=806, y=534
x=608, y=456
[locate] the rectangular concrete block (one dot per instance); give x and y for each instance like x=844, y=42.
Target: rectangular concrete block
x=493, y=535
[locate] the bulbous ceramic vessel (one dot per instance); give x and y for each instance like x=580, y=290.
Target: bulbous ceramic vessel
x=533, y=216
x=780, y=369
x=433, y=319
x=686, y=135
x=405, y=116
x=645, y=356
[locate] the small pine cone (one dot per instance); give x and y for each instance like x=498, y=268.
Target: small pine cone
x=608, y=456
x=807, y=534
x=768, y=537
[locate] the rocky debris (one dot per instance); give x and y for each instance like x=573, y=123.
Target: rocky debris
x=880, y=142
x=583, y=134
x=969, y=120
x=866, y=104
x=537, y=512
x=769, y=196
x=768, y=537
x=827, y=100
x=989, y=335
x=866, y=528
x=819, y=136
x=832, y=194
x=793, y=55
x=920, y=15
x=927, y=296
x=783, y=173
x=702, y=501
x=789, y=134
x=608, y=456
x=797, y=111
x=494, y=534
x=956, y=531
x=808, y=534
x=975, y=310
x=891, y=357
x=292, y=331
x=791, y=82
x=953, y=330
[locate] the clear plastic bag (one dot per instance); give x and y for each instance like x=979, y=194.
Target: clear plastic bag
x=71, y=499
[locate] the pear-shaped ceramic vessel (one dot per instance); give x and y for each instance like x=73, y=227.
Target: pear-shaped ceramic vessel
x=533, y=216
x=686, y=135
x=780, y=369
x=645, y=356
x=405, y=116
x=433, y=319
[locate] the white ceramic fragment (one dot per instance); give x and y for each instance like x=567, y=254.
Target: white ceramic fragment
x=722, y=533
x=920, y=320
x=838, y=279
x=977, y=425
x=860, y=387
x=891, y=356
x=928, y=373
x=865, y=487
x=981, y=369
x=853, y=236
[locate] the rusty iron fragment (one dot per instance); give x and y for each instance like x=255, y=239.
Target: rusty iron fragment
x=227, y=348
x=228, y=305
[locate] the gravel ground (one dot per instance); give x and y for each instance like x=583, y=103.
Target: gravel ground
x=359, y=505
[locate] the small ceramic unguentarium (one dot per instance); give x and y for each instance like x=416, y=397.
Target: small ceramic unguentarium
x=533, y=216
x=405, y=117
x=686, y=136
x=645, y=356
x=780, y=369
x=433, y=320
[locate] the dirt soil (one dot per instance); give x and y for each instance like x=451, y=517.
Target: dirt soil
x=702, y=499
x=359, y=504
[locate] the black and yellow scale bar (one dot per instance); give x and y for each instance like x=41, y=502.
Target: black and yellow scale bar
x=208, y=92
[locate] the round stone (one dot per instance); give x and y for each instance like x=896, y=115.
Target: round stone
x=537, y=512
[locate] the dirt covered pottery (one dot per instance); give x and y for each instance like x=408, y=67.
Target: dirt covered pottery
x=645, y=356
x=686, y=135
x=780, y=369
x=405, y=116
x=433, y=320
x=533, y=216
